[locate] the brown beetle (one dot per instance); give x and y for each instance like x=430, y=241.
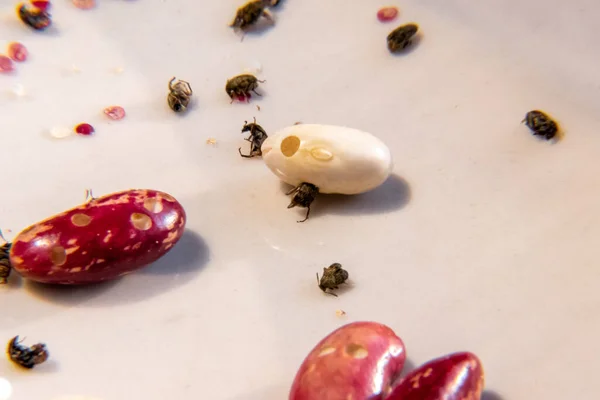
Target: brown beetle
x=240, y=87
x=304, y=195
x=26, y=357
x=256, y=138
x=180, y=95
x=36, y=18
x=541, y=124
x=333, y=276
x=401, y=37
x=250, y=13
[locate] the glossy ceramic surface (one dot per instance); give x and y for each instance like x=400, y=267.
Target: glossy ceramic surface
x=484, y=238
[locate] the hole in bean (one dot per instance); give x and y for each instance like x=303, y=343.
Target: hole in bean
x=290, y=145
x=141, y=221
x=81, y=220
x=356, y=351
x=153, y=205
x=58, y=255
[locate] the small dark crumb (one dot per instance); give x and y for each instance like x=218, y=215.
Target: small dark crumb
x=541, y=124
x=401, y=37
x=333, y=276
x=26, y=357
x=304, y=195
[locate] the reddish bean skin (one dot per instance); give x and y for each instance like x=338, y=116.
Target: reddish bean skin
x=458, y=376
x=358, y=361
x=102, y=239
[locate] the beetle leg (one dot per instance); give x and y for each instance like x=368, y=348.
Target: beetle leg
x=306, y=217
x=244, y=155
x=256, y=93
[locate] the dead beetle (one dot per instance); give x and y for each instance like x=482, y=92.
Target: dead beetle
x=256, y=138
x=333, y=276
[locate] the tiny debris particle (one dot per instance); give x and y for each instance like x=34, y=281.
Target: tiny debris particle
x=387, y=14
x=212, y=141
x=340, y=313
x=61, y=132
x=6, y=64
x=84, y=129
x=18, y=90
x=115, y=112
x=84, y=4
x=17, y=51
x=26, y=357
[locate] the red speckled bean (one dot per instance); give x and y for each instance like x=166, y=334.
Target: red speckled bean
x=357, y=361
x=101, y=240
x=458, y=376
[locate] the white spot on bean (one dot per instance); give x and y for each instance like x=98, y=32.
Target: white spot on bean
x=153, y=205
x=136, y=246
x=72, y=250
x=76, y=269
x=428, y=372
x=58, y=255
x=81, y=219
x=100, y=261
x=71, y=242
x=170, y=237
x=168, y=246
x=107, y=237
x=326, y=351
x=356, y=351
x=141, y=221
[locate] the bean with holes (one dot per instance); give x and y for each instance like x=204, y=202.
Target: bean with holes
x=103, y=239
x=458, y=376
x=360, y=360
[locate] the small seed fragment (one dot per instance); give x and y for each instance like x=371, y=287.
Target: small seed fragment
x=17, y=51
x=115, y=112
x=41, y=4
x=84, y=129
x=6, y=64
x=387, y=14
x=84, y=4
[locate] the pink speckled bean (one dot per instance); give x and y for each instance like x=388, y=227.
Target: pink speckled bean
x=101, y=240
x=457, y=376
x=357, y=361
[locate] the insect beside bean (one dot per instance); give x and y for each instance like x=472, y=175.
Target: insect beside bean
x=325, y=159
x=256, y=138
x=103, y=239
